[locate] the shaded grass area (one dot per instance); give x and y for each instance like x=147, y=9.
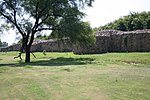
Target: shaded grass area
x=51, y=59
x=65, y=76
x=61, y=61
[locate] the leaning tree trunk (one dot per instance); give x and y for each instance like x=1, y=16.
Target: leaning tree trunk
x=27, y=59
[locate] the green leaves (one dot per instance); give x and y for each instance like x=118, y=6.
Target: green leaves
x=3, y=44
x=133, y=21
x=79, y=33
x=62, y=16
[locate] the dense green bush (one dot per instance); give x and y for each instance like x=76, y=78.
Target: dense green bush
x=3, y=44
x=133, y=21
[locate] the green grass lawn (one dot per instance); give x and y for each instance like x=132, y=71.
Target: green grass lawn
x=65, y=76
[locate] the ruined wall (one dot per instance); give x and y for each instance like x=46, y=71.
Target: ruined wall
x=101, y=46
x=119, y=41
x=15, y=47
x=106, y=41
x=135, y=41
x=50, y=45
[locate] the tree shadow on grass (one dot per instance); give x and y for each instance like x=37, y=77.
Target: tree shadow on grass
x=61, y=61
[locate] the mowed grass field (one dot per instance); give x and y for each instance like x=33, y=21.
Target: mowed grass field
x=65, y=76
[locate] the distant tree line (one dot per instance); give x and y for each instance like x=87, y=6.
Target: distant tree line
x=133, y=21
x=3, y=44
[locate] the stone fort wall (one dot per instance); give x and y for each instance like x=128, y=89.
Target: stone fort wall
x=119, y=41
x=106, y=41
x=39, y=46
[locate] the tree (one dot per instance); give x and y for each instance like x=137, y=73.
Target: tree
x=0, y=43
x=29, y=17
x=3, y=44
x=44, y=37
x=133, y=21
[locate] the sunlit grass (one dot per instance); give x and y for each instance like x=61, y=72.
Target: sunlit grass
x=65, y=76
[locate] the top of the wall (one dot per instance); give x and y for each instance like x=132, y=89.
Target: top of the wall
x=118, y=32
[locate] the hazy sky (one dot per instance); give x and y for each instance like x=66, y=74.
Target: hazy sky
x=103, y=12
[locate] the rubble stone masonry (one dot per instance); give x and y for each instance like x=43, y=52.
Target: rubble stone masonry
x=119, y=41
x=106, y=41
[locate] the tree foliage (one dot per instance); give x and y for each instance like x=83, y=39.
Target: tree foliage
x=133, y=21
x=72, y=29
x=3, y=44
x=29, y=17
x=0, y=43
x=42, y=37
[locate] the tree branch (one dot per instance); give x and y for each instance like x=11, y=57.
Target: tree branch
x=14, y=20
x=36, y=17
x=43, y=20
x=7, y=17
x=32, y=38
x=19, y=56
x=21, y=50
x=42, y=29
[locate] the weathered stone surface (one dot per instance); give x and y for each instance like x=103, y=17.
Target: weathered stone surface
x=106, y=41
x=15, y=47
x=119, y=41
x=40, y=45
x=52, y=46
